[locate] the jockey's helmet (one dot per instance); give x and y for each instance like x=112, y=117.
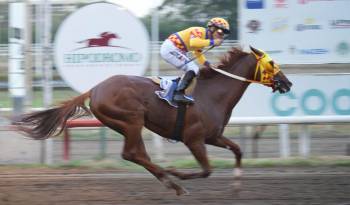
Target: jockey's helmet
x=219, y=23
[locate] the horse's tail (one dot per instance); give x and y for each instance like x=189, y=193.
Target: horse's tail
x=51, y=122
x=83, y=41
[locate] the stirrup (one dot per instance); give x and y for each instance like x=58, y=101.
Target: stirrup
x=181, y=98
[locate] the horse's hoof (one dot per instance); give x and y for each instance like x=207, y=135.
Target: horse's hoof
x=182, y=191
x=237, y=173
x=167, y=183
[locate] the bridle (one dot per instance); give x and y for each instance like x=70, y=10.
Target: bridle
x=266, y=74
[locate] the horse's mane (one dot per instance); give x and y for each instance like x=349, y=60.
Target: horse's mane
x=226, y=62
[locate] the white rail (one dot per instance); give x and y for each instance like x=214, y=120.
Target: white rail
x=290, y=120
x=304, y=135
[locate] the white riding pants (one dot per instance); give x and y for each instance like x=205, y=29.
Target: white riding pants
x=176, y=57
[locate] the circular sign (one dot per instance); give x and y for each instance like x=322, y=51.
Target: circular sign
x=98, y=41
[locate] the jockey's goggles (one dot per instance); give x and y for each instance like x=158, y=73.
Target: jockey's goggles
x=220, y=31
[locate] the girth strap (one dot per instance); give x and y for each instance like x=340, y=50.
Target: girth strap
x=180, y=121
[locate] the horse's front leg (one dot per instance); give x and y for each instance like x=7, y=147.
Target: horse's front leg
x=228, y=144
x=199, y=152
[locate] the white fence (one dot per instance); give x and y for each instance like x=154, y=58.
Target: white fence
x=304, y=135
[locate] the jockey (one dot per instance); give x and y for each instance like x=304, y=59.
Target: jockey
x=175, y=48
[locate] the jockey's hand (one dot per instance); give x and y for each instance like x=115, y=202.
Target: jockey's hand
x=218, y=41
x=207, y=64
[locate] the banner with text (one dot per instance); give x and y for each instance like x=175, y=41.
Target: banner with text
x=297, y=31
x=310, y=95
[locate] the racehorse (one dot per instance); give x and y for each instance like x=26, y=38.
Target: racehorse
x=126, y=104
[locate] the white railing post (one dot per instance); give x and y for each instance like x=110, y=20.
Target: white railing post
x=158, y=145
x=284, y=140
x=157, y=140
x=304, y=141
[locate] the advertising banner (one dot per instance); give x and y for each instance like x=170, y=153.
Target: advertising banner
x=310, y=95
x=297, y=31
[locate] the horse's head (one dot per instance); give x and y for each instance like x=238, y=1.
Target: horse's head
x=269, y=73
x=112, y=35
x=108, y=35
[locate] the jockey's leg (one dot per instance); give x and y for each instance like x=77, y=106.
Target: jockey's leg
x=189, y=90
x=178, y=59
x=185, y=81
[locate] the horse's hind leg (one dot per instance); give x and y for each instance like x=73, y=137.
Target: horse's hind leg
x=135, y=151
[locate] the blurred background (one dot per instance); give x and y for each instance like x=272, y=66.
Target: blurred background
x=312, y=48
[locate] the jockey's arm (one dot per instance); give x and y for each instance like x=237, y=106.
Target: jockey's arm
x=200, y=43
x=199, y=56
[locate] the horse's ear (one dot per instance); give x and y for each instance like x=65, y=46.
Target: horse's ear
x=103, y=34
x=256, y=51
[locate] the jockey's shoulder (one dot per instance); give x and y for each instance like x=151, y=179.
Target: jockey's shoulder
x=195, y=28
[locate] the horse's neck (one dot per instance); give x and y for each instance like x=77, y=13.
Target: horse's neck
x=222, y=93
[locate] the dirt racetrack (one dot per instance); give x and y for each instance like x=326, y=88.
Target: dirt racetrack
x=260, y=186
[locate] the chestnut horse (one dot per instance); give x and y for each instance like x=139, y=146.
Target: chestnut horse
x=126, y=104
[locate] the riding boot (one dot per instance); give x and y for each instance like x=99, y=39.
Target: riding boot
x=179, y=95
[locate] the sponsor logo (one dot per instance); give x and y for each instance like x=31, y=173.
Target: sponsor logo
x=313, y=51
x=340, y=24
x=309, y=24
x=255, y=4
x=100, y=50
x=307, y=51
x=343, y=48
x=88, y=52
x=279, y=24
x=308, y=1
x=254, y=26
x=312, y=102
x=281, y=4
x=274, y=51
x=103, y=40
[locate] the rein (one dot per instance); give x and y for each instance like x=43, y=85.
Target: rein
x=257, y=68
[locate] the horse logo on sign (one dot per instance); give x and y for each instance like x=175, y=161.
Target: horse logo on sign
x=104, y=40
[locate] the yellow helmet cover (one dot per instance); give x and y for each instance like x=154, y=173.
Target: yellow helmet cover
x=220, y=23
